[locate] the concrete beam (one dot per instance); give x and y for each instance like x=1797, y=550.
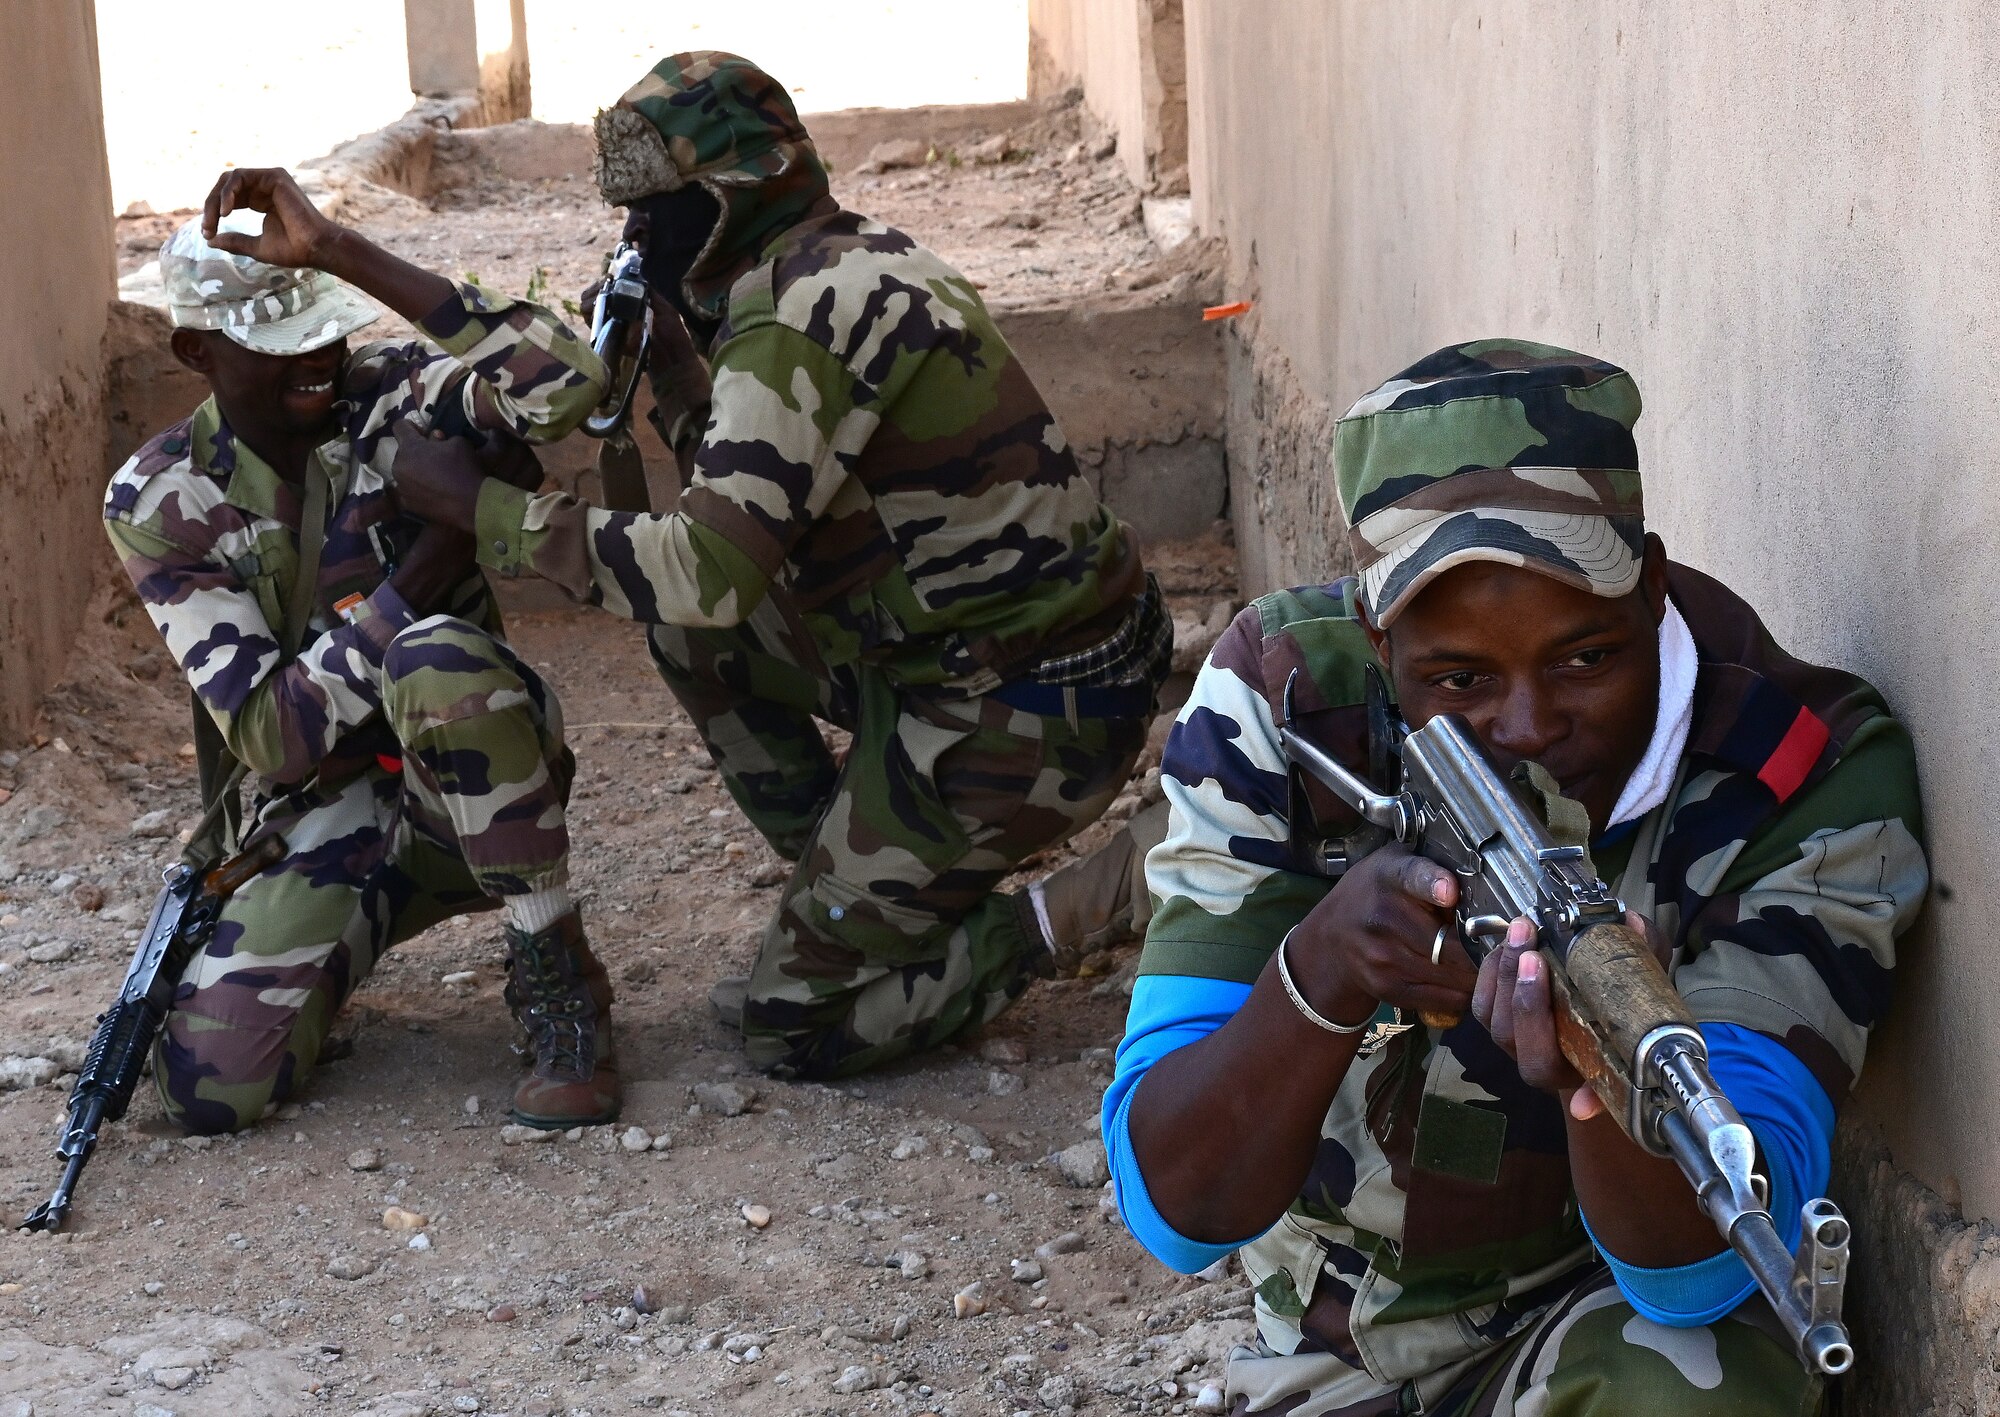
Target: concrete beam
x=480, y=47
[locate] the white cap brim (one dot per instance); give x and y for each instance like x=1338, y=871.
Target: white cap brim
x=335, y=313
x=1584, y=551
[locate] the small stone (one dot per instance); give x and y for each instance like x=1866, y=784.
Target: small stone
x=642, y=1300
x=1210, y=1399
x=366, y=1159
x=1084, y=1165
x=969, y=1302
x=988, y=151
x=636, y=1139
x=350, y=1267
x=1067, y=1243
x=661, y=1143
x=724, y=1099
x=460, y=979
x=420, y=1241
x=87, y=897
x=1104, y=146
x=501, y=1314
x=771, y=873
x=38, y=822
x=154, y=1289
x=909, y=1147
x=1004, y=1084
x=894, y=154
x=397, y=1218
x=17, y=1072
x=979, y=1155
x=513, y=1134
x=172, y=1379
x=149, y=1409
x=844, y=1167
x=10, y=1287
x=757, y=1215
x=153, y=824
x=1060, y=1392
x=573, y=1134
x=911, y=1265
x=470, y=1106
x=1009, y=1051
x=465, y=1402
x=855, y=1378
x=1025, y=1271
x=624, y=1319
x=52, y=952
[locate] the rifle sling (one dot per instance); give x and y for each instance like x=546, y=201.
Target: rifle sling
x=220, y=772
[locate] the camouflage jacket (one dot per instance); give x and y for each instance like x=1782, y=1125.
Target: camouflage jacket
x=208, y=532
x=876, y=453
x=1439, y=1216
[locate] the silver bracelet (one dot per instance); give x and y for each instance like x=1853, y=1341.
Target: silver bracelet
x=1313, y=1016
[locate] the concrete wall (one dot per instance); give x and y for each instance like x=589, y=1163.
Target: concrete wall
x=55, y=288
x=1780, y=216
x=471, y=47
x=1128, y=57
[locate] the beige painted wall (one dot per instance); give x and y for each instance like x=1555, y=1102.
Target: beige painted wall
x=1094, y=45
x=55, y=289
x=1781, y=217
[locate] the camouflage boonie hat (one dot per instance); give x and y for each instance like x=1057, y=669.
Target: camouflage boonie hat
x=271, y=309
x=1498, y=450
x=718, y=120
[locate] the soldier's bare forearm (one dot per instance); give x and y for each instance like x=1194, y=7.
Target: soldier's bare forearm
x=409, y=290
x=1640, y=1207
x=1226, y=1128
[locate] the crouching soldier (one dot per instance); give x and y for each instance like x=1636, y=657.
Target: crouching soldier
x=1444, y=1220
x=349, y=656
x=881, y=527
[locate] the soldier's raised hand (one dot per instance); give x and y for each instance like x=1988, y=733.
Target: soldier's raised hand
x=295, y=233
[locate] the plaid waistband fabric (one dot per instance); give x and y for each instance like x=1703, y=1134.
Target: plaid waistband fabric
x=1139, y=651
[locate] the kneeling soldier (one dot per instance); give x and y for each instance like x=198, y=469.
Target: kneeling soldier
x=880, y=527
x=350, y=656
x=1443, y=1219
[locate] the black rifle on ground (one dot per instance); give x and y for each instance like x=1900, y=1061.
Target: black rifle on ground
x=184, y=916
x=1619, y=1019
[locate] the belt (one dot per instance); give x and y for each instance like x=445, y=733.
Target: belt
x=1073, y=701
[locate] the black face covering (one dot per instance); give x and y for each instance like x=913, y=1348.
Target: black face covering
x=679, y=225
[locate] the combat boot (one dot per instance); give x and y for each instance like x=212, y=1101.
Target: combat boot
x=1075, y=914
x=561, y=997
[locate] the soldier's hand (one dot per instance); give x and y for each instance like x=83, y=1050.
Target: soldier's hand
x=436, y=562
x=1513, y=1000
x=1371, y=941
x=679, y=371
x=294, y=234
x=438, y=478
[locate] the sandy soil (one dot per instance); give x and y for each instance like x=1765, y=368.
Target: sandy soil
x=1053, y=218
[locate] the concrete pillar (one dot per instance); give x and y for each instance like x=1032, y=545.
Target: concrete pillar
x=56, y=287
x=479, y=48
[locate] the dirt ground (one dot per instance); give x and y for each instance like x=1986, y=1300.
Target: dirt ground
x=257, y=1274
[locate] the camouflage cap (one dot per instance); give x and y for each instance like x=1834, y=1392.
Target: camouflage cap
x=271, y=309
x=1498, y=450
x=719, y=120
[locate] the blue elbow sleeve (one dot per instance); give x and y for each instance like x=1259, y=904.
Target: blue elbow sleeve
x=1792, y=1118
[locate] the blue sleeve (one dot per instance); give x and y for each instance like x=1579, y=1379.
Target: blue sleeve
x=1169, y=1011
x=1792, y=1118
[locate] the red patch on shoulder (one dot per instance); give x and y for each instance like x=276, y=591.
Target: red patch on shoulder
x=1785, y=771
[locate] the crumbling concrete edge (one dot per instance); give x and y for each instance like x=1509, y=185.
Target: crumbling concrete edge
x=392, y=159
x=1923, y=1292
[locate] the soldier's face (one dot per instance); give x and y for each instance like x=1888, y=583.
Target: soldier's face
x=1541, y=670
x=290, y=395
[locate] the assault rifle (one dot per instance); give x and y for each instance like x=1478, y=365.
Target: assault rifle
x=621, y=307
x=184, y=916
x=1618, y=1018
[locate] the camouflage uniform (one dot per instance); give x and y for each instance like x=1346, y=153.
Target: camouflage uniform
x=882, y=526
x=414, y=766
x=1435, y=1259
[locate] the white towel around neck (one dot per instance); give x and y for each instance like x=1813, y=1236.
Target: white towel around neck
x=1650, y=782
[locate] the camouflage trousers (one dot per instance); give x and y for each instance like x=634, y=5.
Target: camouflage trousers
x=1590, y=1355
x=473, y=812
x=890, y=936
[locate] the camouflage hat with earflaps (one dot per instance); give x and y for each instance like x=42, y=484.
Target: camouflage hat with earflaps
x=271, y=309
x=718, y=120
x=1499, y=450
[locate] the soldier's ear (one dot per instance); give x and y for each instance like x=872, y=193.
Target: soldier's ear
x=190, y=347
x=1653, y=576
x=1378, y=639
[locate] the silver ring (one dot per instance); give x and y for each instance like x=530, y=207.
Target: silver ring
x=1437, y=945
